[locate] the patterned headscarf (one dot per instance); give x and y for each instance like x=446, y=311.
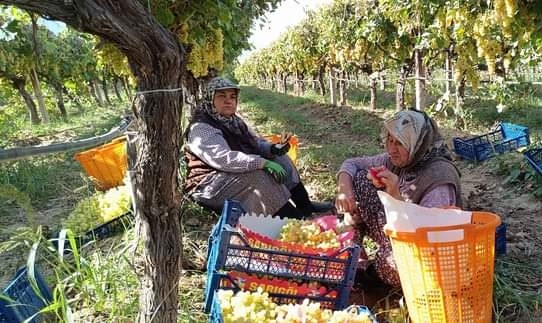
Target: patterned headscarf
x=418, y=134
x=233, y=122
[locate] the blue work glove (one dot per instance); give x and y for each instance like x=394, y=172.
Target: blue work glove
x=276, y=170
x=280, y=149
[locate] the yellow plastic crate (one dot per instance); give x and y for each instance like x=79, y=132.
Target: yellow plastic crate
x=105, y=165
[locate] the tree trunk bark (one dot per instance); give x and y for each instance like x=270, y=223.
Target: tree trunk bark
x=39, y=96
x=105, y=90
x=332, y=87
x=342, y=89
x=157, y=61
x=372, y=86
x=302, y=84
x=60, y=101
x=449, y=76
x=321, y=83
x=400, y=92
x=459, y=103
x=382, y=79
x=284, y=84
x=126, y=86
x=420, y=80
x=19, y=84
x=95, y=91
x=116, y=82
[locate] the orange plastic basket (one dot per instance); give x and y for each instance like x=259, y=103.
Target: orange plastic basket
x=105, y=165
x=448, y=281
x=294, y=141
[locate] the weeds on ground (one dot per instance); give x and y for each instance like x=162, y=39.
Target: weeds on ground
x=516, y=171
x=516, y=290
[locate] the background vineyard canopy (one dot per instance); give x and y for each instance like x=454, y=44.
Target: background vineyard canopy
x=352, y=37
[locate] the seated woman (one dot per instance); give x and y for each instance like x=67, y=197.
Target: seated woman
x=227, y=160
x=416, y=167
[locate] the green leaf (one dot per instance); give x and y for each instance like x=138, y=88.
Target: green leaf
x=13, y=26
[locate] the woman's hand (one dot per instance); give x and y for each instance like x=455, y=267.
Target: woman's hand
x=276, y=170
x=345, y=201
x=390, y=182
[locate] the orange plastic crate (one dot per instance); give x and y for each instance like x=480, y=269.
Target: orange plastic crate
x=294, y=141
x=448, y=281
x=105, y=165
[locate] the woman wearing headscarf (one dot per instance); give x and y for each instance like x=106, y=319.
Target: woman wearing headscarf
x=416, y=167
x=227, y=160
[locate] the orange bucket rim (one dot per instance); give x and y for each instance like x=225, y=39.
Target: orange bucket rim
x=490, y=220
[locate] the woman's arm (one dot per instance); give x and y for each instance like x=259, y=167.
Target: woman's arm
x=352, y=165
x=209, y=145
x=442, y=195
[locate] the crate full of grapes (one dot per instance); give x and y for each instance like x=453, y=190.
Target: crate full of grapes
x=98, y=216
x=230, y=250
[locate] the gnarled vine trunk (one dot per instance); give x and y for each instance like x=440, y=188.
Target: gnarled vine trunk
x=156, y=61
x=20, y=85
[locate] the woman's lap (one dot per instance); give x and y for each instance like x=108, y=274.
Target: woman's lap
x=256, y=190
x=373, y=217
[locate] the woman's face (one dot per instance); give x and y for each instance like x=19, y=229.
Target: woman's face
x=398, y=154
x=225, y=102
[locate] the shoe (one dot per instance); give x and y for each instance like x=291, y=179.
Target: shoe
x=319, y=207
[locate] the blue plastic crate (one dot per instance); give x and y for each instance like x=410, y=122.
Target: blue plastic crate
x=215, y=315
x=25, y=301
x=534, y=157
x=507, y=137
x=223, y=255
x=500, y=239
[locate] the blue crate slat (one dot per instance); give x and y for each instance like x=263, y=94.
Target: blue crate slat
x=215, y=315
x=500, y=239
x=507, y=137
x=224, y=256
x=25, y=300
x=534, y=157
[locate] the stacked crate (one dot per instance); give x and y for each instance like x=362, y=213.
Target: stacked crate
x=231, y=258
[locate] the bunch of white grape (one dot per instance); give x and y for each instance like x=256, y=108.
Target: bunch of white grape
x=258, y=307
x=99, y=208
x=85, y=216
x=246, y=306
x=114, y=203
x=309, y=234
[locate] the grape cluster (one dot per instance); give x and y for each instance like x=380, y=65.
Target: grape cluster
x=259, y=307
x=309, y=234
x=210, y=54
x=99, y=208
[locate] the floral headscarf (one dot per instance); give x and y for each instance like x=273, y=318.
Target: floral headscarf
x=233, y=123
x=418, y=134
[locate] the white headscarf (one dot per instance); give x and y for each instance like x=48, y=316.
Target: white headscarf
x=418, y=134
